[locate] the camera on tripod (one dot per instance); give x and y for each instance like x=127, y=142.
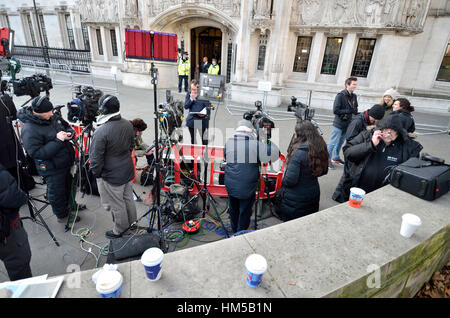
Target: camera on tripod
x=32, y=85
x=84, y=106
x=302, y=111
x=171, y=113
x=260, y=121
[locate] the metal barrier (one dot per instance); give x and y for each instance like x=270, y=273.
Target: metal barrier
x=64, y=75
x=306, y=96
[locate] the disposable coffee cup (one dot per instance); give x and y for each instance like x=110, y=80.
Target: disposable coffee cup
x=410, y=223
x=256, y=266
x=109, y=284
x=152, y=259
x=356, y=197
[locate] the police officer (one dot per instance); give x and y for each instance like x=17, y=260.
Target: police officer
x=184, y=67
x=214, y=68
x=46, y=138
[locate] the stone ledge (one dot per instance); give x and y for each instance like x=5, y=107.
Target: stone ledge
x=325, y=254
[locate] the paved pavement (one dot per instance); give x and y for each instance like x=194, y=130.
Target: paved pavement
x=47, y=258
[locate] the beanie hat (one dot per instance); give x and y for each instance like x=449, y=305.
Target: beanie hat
x=41, y=104
x=377, y=111
x=391, y=92
x=245, y=123
x=108, y=104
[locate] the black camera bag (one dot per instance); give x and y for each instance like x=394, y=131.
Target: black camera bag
x=427, y=180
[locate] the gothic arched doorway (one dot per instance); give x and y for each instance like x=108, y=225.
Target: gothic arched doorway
x=205, y=41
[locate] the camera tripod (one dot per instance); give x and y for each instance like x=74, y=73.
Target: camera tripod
x=155, y=210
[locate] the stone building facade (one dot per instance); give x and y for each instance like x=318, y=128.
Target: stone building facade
x=305, y=44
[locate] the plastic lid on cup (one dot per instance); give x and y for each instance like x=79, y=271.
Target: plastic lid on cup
x=256, y=263
x=412, y=219
x=357, y=191
x=108, y=282
x=152, y=256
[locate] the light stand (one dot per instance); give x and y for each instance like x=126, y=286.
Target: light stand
x=156, y=208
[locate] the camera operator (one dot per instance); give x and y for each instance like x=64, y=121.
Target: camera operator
x=9, y=147
x=195, y=121
x=345, y=105
x=14, y=246
x=46, y=138
x=244, y=153
x=112, y=164
x=374, y=153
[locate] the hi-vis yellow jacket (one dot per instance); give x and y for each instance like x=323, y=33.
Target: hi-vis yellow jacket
x=184, y=67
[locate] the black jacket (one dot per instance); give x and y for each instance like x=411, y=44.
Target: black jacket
x=406, y=119
x=9, y=145
x=195, y=106
x=345, y=105
x=360, y=149
x=50, y=154
x=244, y=154
x=110, y=152
x=11, y=197
x=301, y=191
x=204, y=68
x=358, y=124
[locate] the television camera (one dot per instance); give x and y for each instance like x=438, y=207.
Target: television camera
x=260, y=121
x=171, y=113
x=32, y=85
x=84, y=106
x=302, y=111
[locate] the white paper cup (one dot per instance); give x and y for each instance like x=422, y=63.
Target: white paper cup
x=410, y=223
x=152, y=259
x=356, y=197
x=256, y=266
x=109, y=284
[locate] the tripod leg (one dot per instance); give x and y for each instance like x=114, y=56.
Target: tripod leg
x=41, y=221
x=212, y=201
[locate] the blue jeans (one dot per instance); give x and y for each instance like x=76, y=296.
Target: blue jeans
x=336, y=142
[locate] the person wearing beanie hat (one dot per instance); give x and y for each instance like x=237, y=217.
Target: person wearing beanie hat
x=46, y=138
x=388, y=99
x=111, y=162
x=244, y=153
x=360, y=122
x=374, y=153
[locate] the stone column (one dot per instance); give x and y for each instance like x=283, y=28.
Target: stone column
x=76, y=27
x=63, y=28
x=106, y=49
x=93, y=42
x=119, y=43
x=224, y=60
x=279, y=40
x=347, y=57
x=243, y=41
x=37, y=32
x=316, y=56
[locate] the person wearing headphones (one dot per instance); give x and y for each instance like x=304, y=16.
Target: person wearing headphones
x=112, y=164
x=46, y=138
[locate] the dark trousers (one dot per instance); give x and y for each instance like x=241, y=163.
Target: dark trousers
x=193, y=133
x=59, y=190
x=340, y=193
x=16, y=253
x=181, y=79
x=240, y=211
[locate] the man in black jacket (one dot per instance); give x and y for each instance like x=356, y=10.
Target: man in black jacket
x=46, y=138
x=359, y=123
x=374, y=155
x=205, y=65
x=345, y=105
x=112, y=164
x=196, y=120
x=14, y=246
x=244, y=153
